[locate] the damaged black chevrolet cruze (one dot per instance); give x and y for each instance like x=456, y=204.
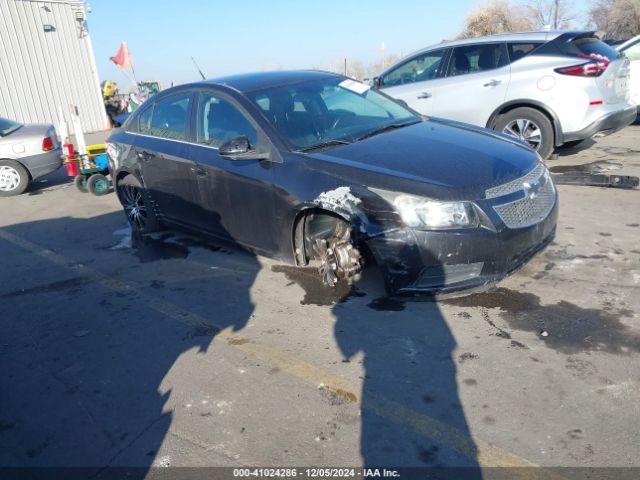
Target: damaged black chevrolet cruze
x=312, y=167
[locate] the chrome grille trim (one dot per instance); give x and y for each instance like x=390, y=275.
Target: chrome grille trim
x=528, y=211
x=515, y=185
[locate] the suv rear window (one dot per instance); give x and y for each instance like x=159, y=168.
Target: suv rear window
x=590, y=46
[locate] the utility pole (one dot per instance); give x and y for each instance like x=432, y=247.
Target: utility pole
x=555, y=14
x=345, y=66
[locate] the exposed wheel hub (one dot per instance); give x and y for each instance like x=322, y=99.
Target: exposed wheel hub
x=339, y=259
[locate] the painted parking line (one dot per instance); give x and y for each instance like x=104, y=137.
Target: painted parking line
x=484, y=453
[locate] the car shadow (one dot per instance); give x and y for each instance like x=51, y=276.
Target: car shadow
x=567, y=151
x=53, y=179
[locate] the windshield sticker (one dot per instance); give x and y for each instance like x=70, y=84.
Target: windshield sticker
x=354, y=86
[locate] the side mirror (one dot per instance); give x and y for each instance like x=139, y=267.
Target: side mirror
x=235, y=146
x=376, y=82
x=239, y=148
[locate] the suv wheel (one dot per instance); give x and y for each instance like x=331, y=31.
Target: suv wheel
x=14, y=178
x=530, y=126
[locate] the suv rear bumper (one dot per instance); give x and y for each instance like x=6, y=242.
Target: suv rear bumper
x=605, y=125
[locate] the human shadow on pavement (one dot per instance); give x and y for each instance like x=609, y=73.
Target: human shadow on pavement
x=411, y=413
x=89, y=334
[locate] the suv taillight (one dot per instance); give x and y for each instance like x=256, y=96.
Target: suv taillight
x=47, y=144
x=595, y=67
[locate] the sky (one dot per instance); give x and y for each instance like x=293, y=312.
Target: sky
x=227, y=37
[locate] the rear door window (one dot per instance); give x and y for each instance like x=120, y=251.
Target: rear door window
x=425, y=66
x=144, y=122
x=519, y=50
x=477, y=58
x=169, y=117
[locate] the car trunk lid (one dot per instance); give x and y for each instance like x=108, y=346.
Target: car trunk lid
x=614, y=82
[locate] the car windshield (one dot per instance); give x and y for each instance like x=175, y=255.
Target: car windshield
x=329, y=112
x=8, y=126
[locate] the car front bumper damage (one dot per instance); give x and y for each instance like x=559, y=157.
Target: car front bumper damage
x=418, y=262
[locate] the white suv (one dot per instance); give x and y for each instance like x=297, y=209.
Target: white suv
x=546, y=88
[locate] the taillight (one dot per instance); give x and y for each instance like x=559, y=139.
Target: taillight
x=47, y=144
x=595, y=67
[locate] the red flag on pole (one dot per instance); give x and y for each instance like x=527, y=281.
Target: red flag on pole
x=122, y=58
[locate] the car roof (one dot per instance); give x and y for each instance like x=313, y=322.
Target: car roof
x=247, y=82
x=540, y=36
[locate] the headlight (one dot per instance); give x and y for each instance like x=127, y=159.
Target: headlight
x=418, y=212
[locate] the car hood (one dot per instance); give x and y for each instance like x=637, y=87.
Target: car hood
x=444, y=155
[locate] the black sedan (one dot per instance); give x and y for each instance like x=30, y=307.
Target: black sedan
x=312, y=167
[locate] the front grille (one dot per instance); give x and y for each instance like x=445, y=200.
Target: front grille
x=516, y=185
x=539, y=196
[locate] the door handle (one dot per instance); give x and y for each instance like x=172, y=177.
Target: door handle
x=424, y=95
x=493, y=83
x=144, y=155
x=201, y=172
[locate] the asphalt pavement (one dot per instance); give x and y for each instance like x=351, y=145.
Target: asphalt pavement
x=182, y=353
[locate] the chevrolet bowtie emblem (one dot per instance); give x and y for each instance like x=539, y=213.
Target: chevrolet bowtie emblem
x=531, y=189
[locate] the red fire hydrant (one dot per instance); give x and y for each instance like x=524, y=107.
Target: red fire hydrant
x=70, y=162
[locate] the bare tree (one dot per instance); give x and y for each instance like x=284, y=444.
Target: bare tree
x=357, y=69
x=497, y=16
x=379, y=66
x=551, y=14
x=618, y=19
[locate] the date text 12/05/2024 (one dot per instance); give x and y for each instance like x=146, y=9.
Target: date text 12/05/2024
x=315, y=472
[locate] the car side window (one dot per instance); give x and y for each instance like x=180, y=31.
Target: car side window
x=144, y=121
x=169, y=117
x=519, y=50
x=219, y=121
x=632, y=52
x=426, y=66
x=477, y=58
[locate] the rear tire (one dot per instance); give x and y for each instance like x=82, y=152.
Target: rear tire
x=529, y=125
x=137, y=205
x=14, y=178
x=98, y=184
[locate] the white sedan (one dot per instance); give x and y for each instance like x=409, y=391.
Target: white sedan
x=27, y=152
